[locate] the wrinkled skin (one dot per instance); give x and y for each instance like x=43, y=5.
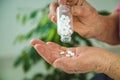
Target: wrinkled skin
x=88, y=23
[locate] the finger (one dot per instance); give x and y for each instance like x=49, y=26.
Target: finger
x=72, y=2
x=36, y=41
x=62, y=2
x=81, y=2
x=54, y=45
x=53, y=15
x=43, y=52
x=49, y=55
x=68, y=2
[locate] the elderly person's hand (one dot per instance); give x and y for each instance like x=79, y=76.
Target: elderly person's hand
x=88, y=23
x=86, y=59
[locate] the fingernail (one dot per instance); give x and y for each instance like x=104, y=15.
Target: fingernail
x=52, y=18
x=32, y=42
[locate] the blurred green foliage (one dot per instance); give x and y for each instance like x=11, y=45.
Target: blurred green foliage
x=46, y=31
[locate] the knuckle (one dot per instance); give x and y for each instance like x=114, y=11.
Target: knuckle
x=49, y=15
x=51, y=4
x=90, y=11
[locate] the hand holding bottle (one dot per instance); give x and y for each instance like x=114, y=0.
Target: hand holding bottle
x=88, y=23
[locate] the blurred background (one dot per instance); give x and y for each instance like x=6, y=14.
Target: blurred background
x=22, y=20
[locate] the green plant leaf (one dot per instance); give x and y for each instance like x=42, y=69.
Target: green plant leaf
x=18, y=17
x=24, y=19
x=47, y=65
x=27, y=63
x=104, y=12
x=34, y=55
x=18, y=61
x=50, y=35
x=38, y=76
x=43, y=21
x=19, y=38
x=33, y=14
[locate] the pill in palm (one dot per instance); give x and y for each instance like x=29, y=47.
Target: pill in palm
x=62, y=52
x=68, y=53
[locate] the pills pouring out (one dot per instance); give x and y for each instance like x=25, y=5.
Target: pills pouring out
x=65, y=26
x=64, y=23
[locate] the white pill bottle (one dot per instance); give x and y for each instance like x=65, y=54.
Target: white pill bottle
x=64, y=23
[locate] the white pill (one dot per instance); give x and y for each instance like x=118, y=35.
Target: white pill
x=67, y=55
x=70, y=53
x=62, y=52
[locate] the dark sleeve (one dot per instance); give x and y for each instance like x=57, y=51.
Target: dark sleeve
x=101, y=77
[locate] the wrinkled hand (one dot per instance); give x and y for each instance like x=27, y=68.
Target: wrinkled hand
x=87, y=22
x=86, y=58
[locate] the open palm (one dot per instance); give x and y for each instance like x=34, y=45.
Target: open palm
x=85, y=59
